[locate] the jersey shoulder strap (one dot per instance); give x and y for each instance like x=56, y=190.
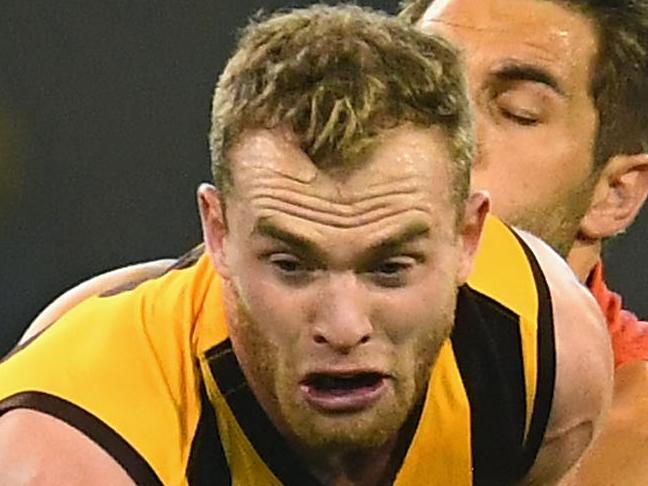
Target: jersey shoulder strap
x=507, y=328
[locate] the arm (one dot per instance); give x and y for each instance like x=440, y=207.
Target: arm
x=95, y=382
x=132, y=274
x=40, y=450
x=583, y=388
x=619, y=455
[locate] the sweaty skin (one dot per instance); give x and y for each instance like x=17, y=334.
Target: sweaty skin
x=529, y=68
x=352, y=270
x=530, y=65
x=348, y=310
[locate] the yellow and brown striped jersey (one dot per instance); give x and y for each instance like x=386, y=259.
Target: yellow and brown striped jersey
x=150, y=375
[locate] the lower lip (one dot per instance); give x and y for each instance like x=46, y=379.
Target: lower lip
x=344, y=401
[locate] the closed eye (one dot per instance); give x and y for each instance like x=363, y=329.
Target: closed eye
x=522, y=102
x=521, y=118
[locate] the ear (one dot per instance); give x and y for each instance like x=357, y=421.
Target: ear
x=212, y=218
x=618, y=196
x=476, y=208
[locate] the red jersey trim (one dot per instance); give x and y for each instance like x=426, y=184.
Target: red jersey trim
x=629, y=335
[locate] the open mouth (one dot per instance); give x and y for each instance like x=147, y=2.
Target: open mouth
x=343, y=392
x=341, y=384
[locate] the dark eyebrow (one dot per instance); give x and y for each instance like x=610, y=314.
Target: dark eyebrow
x=516, y=71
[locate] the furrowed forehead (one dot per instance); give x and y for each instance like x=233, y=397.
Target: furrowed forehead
x=406, y=157
x=404, y=180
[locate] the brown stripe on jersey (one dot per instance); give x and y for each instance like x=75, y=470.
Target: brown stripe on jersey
x=259, y=430
x=121, y=451
x=207, y=464
x=20, y=346
x=188, y=259
x=185, y=261
x=487, y=345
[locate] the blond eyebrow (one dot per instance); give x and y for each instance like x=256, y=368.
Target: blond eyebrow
x=411, y=232
x=264, y=227
x=408, y=234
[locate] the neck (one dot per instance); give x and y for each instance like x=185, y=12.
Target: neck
x=362, y=466
x=583, y=256
x=366, y=467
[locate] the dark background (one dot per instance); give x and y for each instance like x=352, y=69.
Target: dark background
x=104, y=114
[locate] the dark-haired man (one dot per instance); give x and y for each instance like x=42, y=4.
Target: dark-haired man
x=560, y=89
x=339, y=327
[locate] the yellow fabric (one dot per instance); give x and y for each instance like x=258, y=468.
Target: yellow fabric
x=130, y=360
x=441, y=447
x=246, y=467
x=502, y=271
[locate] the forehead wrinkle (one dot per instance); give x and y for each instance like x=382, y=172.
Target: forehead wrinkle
x=251, y=174
x=330, y=195
x=425, y=21
x=329, y=186
x=504, y=28
x=276, y=197
x=272, y=207
x=499, y=28
x=367, y=201
x=541, y=49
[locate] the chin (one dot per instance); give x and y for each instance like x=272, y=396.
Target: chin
x=338, y=432
x=345, y=435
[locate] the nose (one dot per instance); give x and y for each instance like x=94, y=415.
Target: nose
x=342, y=321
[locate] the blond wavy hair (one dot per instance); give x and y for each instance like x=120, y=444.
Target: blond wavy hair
x=337, y=77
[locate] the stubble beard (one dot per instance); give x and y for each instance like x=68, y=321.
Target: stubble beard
x=557, y=222
x=270, y=376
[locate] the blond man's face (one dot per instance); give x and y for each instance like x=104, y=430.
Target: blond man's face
x=341, y=284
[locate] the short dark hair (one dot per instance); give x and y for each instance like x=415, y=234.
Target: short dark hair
x=337, y=76
x=619, y=85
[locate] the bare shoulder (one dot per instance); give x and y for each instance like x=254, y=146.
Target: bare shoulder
x=584, y=369
x=38, y=449
x=618, y=456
